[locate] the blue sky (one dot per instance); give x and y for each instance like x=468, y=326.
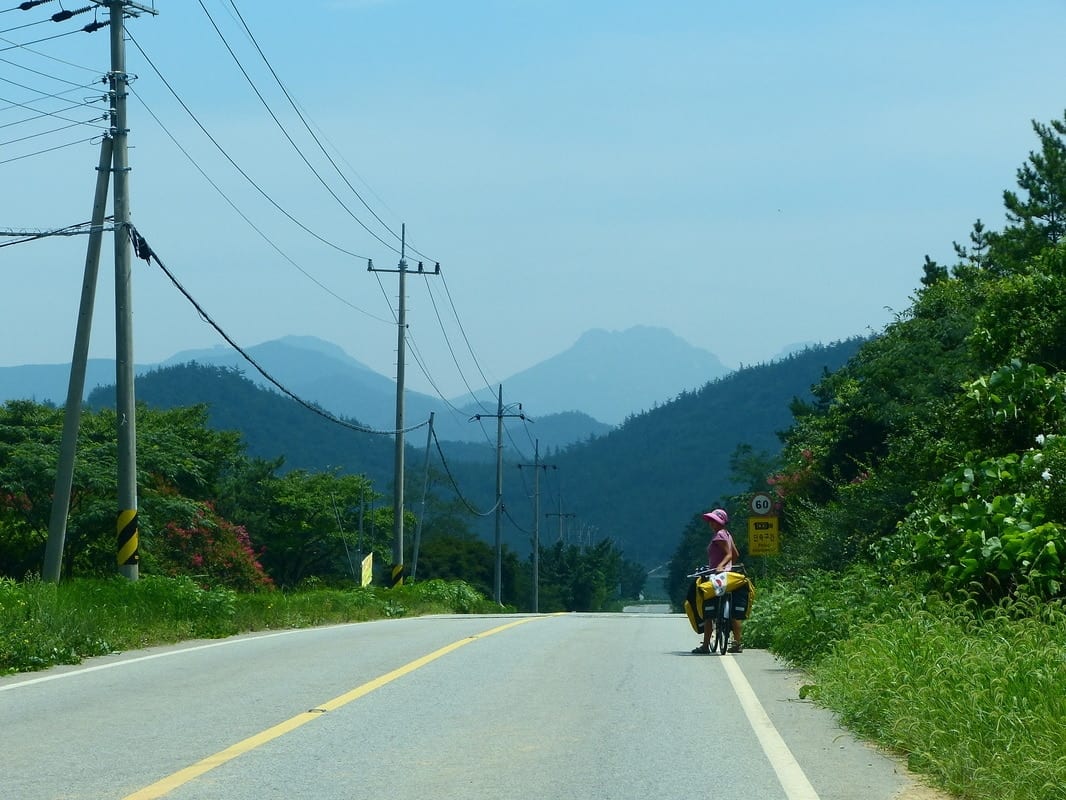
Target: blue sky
x=747, y=175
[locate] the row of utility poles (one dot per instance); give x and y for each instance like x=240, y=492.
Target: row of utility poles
x=114, y=161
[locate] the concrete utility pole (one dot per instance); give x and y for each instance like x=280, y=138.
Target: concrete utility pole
x=57, y=524
x=422, y=510
x=401, y=333
x=498, y=571
x=561, y=517
x=125, y=404
x=537, y=467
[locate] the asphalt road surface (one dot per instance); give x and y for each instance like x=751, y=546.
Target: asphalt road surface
x=568, y=706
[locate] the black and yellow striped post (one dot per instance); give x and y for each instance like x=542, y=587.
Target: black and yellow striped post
x=128, y=545
x=397, y=576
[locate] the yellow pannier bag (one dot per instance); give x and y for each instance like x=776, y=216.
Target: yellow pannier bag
x=703, y=594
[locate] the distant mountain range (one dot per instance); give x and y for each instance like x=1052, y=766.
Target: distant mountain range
x=638, y=484
x=592, y=386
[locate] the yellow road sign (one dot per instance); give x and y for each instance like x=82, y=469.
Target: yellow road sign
x=764, y=536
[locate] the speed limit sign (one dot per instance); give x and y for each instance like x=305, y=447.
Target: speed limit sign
x=761, y=504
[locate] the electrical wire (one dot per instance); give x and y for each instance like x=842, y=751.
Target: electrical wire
x=26, y=25
x=281, y=127
x=42, y=74
x=245, y=217
x=48, y=150
x=16, y=45
x=455, y=486
x=451, y=350
x=40, y=115
x=143, y=250
x=26, y=6
x=415, y=352
x=70, y=230
x=507, y=513
x=419, y=360
x=236, y=166
x=469, y=347
x=45, y=39
x=333, y=163
x=56, y=130
x=54, y=95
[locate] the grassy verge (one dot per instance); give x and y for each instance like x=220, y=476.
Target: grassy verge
x=44, y=624
x=974, y=698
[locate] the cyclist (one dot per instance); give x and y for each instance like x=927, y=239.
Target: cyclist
x=721, y=551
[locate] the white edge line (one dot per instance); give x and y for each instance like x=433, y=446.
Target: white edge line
x=789, y=773
x=137, y=659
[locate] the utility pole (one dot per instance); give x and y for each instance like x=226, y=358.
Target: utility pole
x=114, y=157
x=401, y=333
x=537, y=467
x=422, y=511
x=125, y=404
x=57, y=524
x=561, y=517
x=498, y=571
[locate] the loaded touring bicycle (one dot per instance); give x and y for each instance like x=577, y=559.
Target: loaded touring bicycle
x=717, y=598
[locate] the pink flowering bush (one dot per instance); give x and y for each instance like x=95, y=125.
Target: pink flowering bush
x=212, y=550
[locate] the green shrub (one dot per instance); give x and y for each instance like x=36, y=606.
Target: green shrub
x=803, y=619
x=972, y=697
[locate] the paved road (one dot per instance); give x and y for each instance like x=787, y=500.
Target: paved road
x=567, y=706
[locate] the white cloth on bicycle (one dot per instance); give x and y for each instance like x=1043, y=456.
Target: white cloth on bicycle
x=718, y=581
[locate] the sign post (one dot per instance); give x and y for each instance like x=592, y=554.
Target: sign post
x=764, y=536
x=764, y=533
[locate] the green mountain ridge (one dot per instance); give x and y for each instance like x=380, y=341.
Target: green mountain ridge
x=637, y=485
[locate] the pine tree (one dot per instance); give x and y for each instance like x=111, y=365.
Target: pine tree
x=1037, y=214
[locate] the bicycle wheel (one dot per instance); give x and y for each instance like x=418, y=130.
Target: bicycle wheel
x=723, y=625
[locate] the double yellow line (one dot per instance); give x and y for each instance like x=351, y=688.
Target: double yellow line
x=168, y=784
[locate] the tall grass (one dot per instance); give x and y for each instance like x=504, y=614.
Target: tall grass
x=973, y=697
x=44, y=624
x=977, y=700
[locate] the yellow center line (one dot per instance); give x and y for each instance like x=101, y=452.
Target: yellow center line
x=168, y=784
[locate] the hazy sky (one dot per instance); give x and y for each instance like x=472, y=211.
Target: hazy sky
x=748, y=175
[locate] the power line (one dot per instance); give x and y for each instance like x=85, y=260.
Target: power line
x=26, y=6
x=90, y=28
x=318, y=175
x=47, y=150
x=237, y=167
x=28, y=49
x=300, y=115
x=451, y=350
x=461, y=330
x=43, y=74
x=455, y=486
x=39, y=114
x=248, y=220
x=285, y=133
x=78, y=229
x=144, y=251
x=55, y=130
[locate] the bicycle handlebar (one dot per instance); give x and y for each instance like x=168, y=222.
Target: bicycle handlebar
x=705, y=571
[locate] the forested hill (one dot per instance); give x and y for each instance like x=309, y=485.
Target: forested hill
x=639, y=485
x=271, y=424
x=642, y=483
